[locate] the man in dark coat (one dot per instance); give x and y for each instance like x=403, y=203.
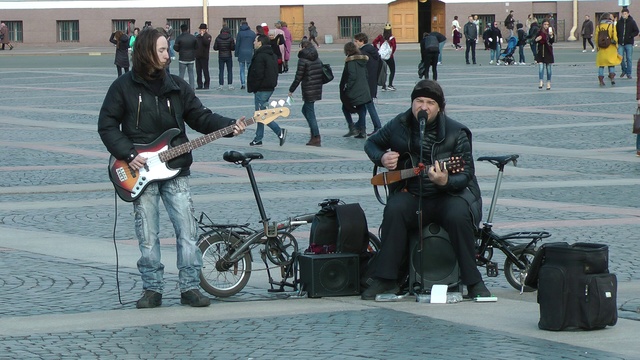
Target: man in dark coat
x=186, y=45
x=202, y=57
x=244, y=50
x=509, y=23
x=627, y=30
x=225, y=45
x=587, y=34
x=471, y=36
x=373, y=67
x=451, y=200
x=262, y=80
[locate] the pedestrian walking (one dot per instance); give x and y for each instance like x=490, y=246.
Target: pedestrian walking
x=313, y=33
x=309, y=74
x=607, y=56
x=627, y=30
x=4, y=36
x=288, y=42
x=373, y=67
x=244, y=50
x=354, y=90
x=587, y=32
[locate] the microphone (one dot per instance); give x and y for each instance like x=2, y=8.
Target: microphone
x=422, y=118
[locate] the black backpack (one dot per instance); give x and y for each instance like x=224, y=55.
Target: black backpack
x=431, y=44
x=338, y=227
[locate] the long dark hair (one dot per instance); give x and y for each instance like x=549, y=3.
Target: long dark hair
x=146, y=63
x=386, y=34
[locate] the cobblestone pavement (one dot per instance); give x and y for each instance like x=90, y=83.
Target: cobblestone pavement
x=576, y=177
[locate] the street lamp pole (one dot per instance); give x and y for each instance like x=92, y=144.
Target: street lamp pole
x=572, y=36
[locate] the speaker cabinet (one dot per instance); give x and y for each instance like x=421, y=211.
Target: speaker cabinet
x=330, y=274
x=437, y=262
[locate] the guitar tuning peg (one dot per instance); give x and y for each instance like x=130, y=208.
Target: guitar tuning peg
x=273, y=103
x=281, y=102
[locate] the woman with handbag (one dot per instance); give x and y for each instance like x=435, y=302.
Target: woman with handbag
x=544, y=56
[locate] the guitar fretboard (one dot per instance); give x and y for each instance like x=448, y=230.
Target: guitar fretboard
x=196, y=143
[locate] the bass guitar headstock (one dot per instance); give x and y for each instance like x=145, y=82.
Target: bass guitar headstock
x=276, y=110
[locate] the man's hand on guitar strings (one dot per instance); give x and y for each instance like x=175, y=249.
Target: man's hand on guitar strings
x=138, y=162
x=239, y=126
x=390, y=160
x=438, y=173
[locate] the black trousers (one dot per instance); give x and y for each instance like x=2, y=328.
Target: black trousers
x=202, y=67
x=431, y=61
x=471, y=45
x=400, y=219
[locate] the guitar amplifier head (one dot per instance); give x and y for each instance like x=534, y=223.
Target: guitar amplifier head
x=325, y=275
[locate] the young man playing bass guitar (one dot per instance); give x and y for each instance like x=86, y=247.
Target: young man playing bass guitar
x=138, y=108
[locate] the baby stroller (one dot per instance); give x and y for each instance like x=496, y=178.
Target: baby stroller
x=506, y=56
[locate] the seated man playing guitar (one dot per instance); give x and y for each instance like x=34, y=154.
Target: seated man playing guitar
x=449, y=198
x=139, y=107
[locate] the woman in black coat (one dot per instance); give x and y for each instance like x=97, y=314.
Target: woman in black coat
x=121, y=41
x=354, y=90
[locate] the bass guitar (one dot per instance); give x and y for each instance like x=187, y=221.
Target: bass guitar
x=453, y=165
x=130, y=184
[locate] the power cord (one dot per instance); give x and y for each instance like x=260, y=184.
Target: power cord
x=115, y=246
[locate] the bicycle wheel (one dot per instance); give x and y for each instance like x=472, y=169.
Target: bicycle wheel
x=515, y=276
x=218, y=277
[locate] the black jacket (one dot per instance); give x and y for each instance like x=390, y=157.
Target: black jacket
x=224, y=44
x=444, y=138
x=309, y=73
x=373, y=67
x=354, y=86
x=204, y=44
x=263, y=71
x=470, y=31
x=133, y=114
x=186, y=45
x=122, y=50
x=587, y=29
x=627, y=30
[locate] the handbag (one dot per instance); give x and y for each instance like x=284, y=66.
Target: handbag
x=327, y=73
x=636, y=121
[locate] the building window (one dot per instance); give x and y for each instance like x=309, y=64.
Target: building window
x=15, y=30
x=484, y=20
x=234, y=24
x=349, y=26
x=122, y=25
x=176, y=23
x=68, y=30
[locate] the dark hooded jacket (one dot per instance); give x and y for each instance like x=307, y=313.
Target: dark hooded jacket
x=244, y=43
x=444, y=138
x=627, y=30
x=309, y=73
x=186, y=45
x=122, y=50
x=224, y=44
x=354, y=86
x=373, y=67
x=263, y=71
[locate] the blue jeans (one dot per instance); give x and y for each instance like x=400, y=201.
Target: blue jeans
x=309, y=113
x=521, y=53
x=627, y=55
x=243, y=65
x=638, y=142
x=534, y=49
x=172, y=53
x=362, y=116
x=440, y=47
x=221, y=63
x=495, y=54
x=188, y=67
x=261, y=99
x=176, y=197
x=541, y=68
x=611, y=69
x=375, y=119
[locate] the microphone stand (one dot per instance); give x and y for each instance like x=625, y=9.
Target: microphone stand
x=422, y=119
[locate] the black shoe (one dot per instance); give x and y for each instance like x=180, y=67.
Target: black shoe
x=242, y=87
x=149, y=299
x=352, y=131
x=282, y=136
x=468, y=63
x=194, y=298
x=478, y=289
x=199, y=88
x=361, y=134
x=380, y=286
x=255, y=143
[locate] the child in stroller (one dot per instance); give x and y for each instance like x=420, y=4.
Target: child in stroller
x=506, y=56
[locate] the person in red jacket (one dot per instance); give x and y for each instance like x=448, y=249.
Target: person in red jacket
x=387, y=36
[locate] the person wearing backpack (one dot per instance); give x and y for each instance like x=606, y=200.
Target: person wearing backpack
x=607, y=55
x=627, y=30
x=429, y=52
x=378, y=42
x=533, y=32
x=522, y=40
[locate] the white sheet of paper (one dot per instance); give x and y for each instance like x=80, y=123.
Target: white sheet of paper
x=439, y=294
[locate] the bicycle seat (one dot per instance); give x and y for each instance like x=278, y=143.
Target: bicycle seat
x=238, y=157
x=500, y=161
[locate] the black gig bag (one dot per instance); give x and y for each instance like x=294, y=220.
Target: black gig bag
x=575, y=288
